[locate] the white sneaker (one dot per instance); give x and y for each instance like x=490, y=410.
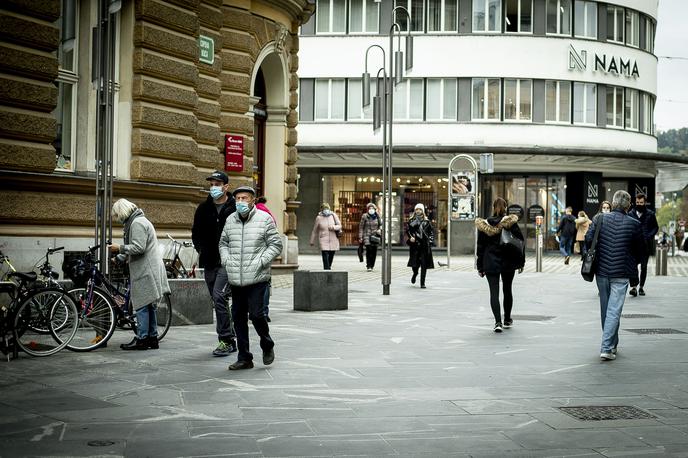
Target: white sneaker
x=607, y=356
x=369, y=269
x=498, y=327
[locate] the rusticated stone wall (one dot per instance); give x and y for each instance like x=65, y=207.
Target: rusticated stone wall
x=28, y=67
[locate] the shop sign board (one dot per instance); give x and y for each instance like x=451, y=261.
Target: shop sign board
x=515, y=209
x=234, y=153
x=534, y=211
x=206, y=48
x=463, y=188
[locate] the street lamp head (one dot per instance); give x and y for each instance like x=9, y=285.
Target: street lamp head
x=366, y=89
x=377, y=112
x=409, y=51
x=398, y=66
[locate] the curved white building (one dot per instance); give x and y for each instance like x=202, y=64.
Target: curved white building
x=561, y=91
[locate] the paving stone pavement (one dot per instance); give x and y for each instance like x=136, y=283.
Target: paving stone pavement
x=415, y=373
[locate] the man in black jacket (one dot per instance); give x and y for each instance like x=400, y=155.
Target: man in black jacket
x=649, y=227
x=617, y=251
x=567, y=234
x=209, y=221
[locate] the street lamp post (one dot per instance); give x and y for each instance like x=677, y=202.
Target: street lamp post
x=383, y=116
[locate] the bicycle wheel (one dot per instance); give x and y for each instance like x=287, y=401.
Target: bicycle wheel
x=164, y=313
x=96, y=320
x=52, y=309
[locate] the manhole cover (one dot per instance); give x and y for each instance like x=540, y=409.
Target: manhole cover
x=640, y=315
x=599, y=413
x=531, y=317
x=100, y=443
x=655, y=331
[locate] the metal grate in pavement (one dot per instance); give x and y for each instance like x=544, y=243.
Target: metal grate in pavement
x=531, y=317
x=655, y=331
x=640, y=315
x=600, y=413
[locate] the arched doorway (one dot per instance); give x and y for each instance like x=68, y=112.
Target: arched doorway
x=260, y=116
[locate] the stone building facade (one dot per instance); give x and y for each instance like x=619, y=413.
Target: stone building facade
x=171, y=113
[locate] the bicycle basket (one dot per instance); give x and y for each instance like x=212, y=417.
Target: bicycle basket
x=77, y=270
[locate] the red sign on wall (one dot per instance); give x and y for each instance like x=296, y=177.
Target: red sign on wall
x=234, y=153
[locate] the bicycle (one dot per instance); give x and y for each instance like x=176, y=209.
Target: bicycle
x=105, y=305
x=39, y=320
x=175, y=267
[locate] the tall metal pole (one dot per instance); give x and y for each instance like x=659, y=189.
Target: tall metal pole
x=387, y=172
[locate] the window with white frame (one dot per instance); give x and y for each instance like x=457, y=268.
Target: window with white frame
x=415, y=9
x=518, y=17
x=632, y=28
x=558, y=101
x=408, y=100
x=443, y=15
x=487, y=15
x=615, y=106
x=486, y=95
x=441, y=99
x=585, y=103
x=558, y=20
x=632, y=109
x=67, y=79
x=518, y=99
x=648, y=113
x=586, y=19
x=330, y=16
x=615, y=24
x=329, y=99
x=363, y=16
x=649, y=44
x=354, y=99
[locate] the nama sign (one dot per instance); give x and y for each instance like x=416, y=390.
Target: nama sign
x=607, y=64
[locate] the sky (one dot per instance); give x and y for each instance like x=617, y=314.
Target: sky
x=671, y=109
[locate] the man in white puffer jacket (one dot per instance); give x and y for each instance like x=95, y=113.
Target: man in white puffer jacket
x=248, y=245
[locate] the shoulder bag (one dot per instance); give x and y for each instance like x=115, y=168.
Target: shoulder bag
x=589, y=264
x=339, y=232
x=510, y=242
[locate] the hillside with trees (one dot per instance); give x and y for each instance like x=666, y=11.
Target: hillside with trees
x=673, y=141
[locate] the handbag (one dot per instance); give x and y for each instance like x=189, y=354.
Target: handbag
x=375, y=239
x=337, y=232
x=509, y=241
x=589, y=264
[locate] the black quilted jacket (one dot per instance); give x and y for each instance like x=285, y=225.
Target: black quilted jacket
x=619, y=246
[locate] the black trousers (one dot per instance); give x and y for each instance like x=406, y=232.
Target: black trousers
x=216, y=281
x=423, y=271
x=643, y=270
x=248, y=302
x=493, y=281
x=371, y=254
x=327, y=257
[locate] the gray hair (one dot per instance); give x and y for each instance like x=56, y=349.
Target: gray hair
x=122, y=209
x=621, y=200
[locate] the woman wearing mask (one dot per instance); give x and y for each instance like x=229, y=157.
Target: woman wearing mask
x=582, y=225
x=371, y=225
x=420, y=239
x=496, y=260
x=325, y=229
x=147, y=276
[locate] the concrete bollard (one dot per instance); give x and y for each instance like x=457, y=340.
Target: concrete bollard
x=320, y=290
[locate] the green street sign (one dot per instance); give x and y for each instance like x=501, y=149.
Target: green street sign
x=206, y=45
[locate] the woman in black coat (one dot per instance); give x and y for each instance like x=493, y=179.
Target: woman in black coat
x=420, y=239
x=495, y=260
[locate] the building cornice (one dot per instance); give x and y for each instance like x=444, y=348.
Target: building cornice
x=478, y=149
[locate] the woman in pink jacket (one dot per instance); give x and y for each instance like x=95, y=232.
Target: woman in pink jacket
x=326, y=227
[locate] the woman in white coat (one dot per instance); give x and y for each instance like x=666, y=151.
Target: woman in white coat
x=326, y=228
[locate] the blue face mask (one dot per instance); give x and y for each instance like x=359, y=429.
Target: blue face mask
x=326, y=213
x=242, y=208
x=216, y=192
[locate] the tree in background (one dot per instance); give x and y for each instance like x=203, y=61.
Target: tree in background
x=670, y=211
x=673, y=141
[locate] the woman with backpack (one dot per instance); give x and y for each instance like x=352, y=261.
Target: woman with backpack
x=327, y=229
x=496, y=259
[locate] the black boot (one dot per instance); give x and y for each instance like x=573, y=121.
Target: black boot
x=136, y=344
x=152, y=342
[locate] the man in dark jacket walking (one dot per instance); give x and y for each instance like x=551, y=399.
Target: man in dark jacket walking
x=567, y=234
x=618, y=248
x=209, y=221
x=649, y=228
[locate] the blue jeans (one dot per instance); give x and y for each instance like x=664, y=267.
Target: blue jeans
x=565, y=245
x=146, y=322
x=612, y=296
